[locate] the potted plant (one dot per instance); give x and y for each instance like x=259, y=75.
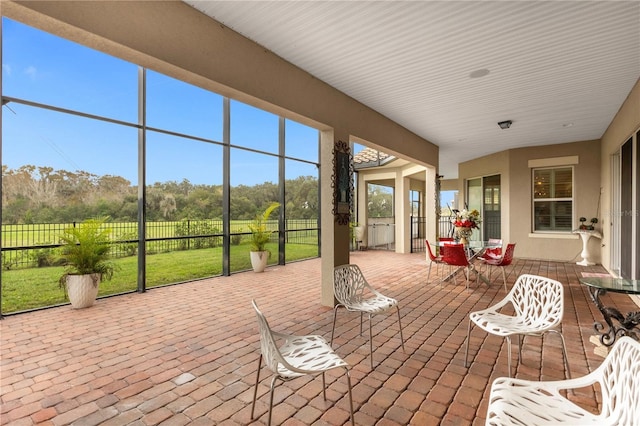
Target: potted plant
x=260, y=236
x=85, y=254
x=582, y=221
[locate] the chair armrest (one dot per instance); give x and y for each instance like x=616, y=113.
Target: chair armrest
x=551, y=386
x=496, y=307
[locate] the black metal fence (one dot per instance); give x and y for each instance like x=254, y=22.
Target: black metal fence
x=36, y=245
x=418, y=231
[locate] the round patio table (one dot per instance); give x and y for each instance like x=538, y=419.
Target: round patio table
x=473, y=249
x=627, y=325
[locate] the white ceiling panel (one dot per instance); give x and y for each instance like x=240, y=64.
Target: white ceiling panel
x=550, y=63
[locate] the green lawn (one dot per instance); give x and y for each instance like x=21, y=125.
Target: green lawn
x=30, y=288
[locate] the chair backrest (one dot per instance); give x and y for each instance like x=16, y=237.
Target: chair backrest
x=538, y=301
x=349, y=284
x=268, y=346
x=446, y=241
x=429, y=251
x=507, y=258
x=455, y=255
x=620, y=387
x=495, y=247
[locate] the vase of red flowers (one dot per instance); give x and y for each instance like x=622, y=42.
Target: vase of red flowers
x=465, y=222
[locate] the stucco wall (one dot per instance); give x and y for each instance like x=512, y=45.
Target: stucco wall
x=516, y=210
x=622, y=127
x=550, y=246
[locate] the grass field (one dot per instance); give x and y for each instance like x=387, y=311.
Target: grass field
x=25, y=245
x=30, y=288
x=47, y=233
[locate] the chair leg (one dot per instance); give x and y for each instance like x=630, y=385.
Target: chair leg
x=273, y=384
x=255, y=391
x=564, y=353
x=361, y=322
x=370, y=342
x=504, y=278
x=520, y=344
x=467, y=272
x=508, y=354
x=466, y=352
x=324, y=387
x=429, y=273
x=335, y=311
x=400, y=326
x=350, y=397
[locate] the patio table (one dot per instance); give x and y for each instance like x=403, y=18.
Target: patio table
x=473, y=249
x=628, y=325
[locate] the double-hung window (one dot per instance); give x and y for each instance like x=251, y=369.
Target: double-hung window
x=553, y=199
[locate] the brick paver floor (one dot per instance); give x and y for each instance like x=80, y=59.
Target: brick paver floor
x=187, y=354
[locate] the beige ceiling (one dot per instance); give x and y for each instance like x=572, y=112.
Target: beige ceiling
x=558, y=69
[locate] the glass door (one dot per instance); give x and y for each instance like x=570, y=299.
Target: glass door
x=483, y=194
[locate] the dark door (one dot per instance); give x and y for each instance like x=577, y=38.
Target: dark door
x=491, y=206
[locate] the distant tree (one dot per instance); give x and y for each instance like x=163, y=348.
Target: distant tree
x=168, y=206
x=380, y=201
x=32, y=194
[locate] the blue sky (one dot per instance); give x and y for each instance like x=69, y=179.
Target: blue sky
x=43, y=68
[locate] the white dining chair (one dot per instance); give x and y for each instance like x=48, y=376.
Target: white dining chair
x=354, y=293
x=538, y=304
x=537, y=403
x=297, y=356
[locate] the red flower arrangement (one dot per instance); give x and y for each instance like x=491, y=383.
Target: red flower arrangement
x=466, y=219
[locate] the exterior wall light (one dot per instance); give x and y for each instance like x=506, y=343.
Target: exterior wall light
x=505, y=124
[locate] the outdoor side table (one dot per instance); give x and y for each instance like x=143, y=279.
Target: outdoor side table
x=625, y=325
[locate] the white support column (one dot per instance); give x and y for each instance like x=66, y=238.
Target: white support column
x=402, y=214
x=363, y=214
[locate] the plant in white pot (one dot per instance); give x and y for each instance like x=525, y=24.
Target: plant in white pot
x=85, y=254
x=260, y=236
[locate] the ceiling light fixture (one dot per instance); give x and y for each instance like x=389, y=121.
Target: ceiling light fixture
x=479, y=73
x=505, y=124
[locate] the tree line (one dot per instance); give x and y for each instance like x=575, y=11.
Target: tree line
x=37, y=194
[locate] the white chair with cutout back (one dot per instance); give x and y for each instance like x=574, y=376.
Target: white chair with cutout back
x=297, y=356
x=533, y=403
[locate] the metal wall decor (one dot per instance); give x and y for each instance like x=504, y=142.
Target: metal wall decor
x=342, y=182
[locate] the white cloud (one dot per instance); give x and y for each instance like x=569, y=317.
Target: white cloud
x=31, y=71
x=6, y=68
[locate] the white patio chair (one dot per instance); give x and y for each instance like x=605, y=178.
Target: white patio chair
x=531, y=403
x=354, y=293
x=298, y=356
x=538, y=308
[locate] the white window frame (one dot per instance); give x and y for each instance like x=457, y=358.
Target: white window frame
x=535, y=200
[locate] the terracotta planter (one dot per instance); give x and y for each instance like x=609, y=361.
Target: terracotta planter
x=82, y=290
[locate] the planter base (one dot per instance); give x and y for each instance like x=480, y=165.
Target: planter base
x=82, y=290
x=259, y=260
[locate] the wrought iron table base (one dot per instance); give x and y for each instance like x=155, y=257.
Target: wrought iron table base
x=629, y=324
